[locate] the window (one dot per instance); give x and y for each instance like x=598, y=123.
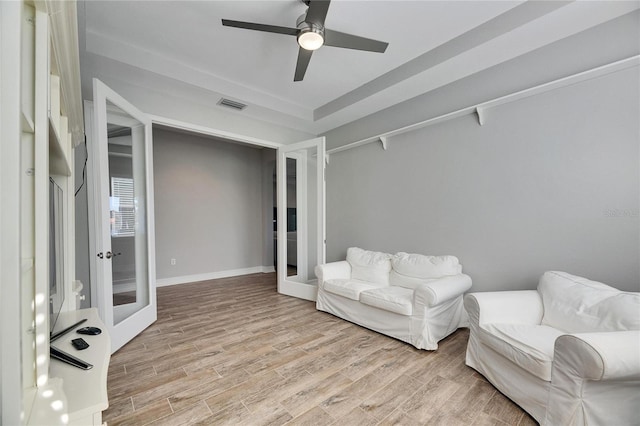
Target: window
x=122, y=206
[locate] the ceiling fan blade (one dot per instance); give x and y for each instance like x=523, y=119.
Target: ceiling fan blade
x=304, y=56
x=317, y=11
x=350, y=41
x=260, y=27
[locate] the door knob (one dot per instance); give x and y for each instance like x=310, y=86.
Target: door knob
x=109, y=255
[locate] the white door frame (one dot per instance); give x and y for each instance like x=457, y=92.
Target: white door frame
x=308, y=292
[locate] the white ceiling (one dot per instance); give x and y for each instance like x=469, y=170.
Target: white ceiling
x=431, y=44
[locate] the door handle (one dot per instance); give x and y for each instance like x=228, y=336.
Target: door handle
x=109, y=255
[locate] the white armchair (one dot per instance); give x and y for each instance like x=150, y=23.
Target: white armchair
x=568, y=353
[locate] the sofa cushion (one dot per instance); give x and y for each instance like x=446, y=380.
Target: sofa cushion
x=528, y=346
x=350, y=289
x=578, y=305
x=393, y=299
x=411, y=283
x=411, y=270
x=369, y=266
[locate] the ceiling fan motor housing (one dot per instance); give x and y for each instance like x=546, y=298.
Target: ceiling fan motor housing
x=310, y=34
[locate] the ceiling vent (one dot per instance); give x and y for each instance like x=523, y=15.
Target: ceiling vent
x=232, y=104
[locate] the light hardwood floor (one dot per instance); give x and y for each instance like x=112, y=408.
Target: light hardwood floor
x=234, y=351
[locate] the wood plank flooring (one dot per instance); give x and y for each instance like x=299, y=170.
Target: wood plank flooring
x=234, y=351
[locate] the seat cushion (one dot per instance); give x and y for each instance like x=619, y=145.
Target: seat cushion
x=411, y=270
x=369, y=266
x=578, y=305
x=350, y=289
x=393, y=299
x=528, y=346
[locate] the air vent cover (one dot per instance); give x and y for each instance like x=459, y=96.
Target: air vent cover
x=232, y=104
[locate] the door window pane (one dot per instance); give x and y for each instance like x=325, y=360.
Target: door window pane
x=127, y=210
x=122, y=208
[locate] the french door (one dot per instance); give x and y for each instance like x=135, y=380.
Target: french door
x=301, y=217
x=121, y=232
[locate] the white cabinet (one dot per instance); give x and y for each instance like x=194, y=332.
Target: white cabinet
x=85, y=390
x=41, y=116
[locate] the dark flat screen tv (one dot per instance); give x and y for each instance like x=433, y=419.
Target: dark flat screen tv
x=56, y=253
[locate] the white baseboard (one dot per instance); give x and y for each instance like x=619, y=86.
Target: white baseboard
x=162, y=282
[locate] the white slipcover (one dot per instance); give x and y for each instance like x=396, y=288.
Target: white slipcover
x=568, y=353
x=411, y=297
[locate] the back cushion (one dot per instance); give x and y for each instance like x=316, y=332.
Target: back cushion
x=577, y=305
x=411, y=270
x=371, y=266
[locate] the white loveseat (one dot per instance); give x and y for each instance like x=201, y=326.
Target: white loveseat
x=411, y=297
x=568, y=353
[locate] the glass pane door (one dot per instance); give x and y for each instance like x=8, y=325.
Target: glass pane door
x=127, y=212
x=292, y=223
x=123, y=211
x=301, y=239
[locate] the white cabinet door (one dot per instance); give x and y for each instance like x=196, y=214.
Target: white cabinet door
x=301, y=216
x=122, y=202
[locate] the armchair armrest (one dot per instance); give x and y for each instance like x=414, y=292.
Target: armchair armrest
x=333, y=270
x=613, y=355
x=516, y=307
x=435, y=292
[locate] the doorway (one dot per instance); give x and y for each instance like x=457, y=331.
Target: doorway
x=214, y=207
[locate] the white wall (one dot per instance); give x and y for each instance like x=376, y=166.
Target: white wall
x=548, y=183
x=208, y=205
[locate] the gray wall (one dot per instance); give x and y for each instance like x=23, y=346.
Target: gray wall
x=208, y=205
x=463, y=206
x=549, y=182
x=183, y=102
x=268, y=203
x=610, y=42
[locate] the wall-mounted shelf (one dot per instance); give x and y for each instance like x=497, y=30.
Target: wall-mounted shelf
x=41, y=74
x=26, y=123
x=481, y=109
x=58, y=161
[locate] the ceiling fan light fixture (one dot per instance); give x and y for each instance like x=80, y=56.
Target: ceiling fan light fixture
x=310, y=35
x=311, y=38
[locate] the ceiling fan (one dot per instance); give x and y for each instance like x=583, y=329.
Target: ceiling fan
x=311, y=35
